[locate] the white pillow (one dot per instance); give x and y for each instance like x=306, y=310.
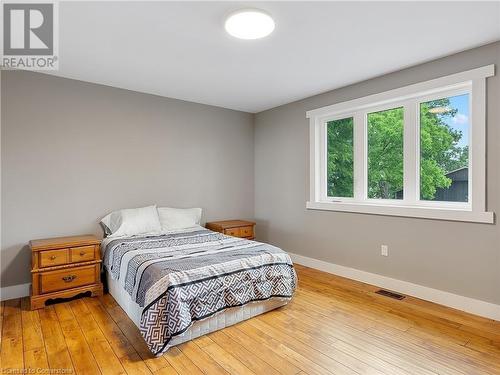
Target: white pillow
x=111, y=222
x=132, y=221
x=178, y=218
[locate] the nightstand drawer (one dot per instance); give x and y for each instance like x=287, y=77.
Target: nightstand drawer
x=235, y=232
x=50, y=258
x=235, y=228
x=246, y=231
x=53, y=281
x=82, y=254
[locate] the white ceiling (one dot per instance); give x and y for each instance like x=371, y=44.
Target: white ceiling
x=180, y=49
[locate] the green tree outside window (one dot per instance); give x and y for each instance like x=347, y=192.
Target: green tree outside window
x=440, y=152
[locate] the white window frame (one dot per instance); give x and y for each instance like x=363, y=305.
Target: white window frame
x=471, y=82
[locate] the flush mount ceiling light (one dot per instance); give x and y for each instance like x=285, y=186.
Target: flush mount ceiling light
x=249, y=24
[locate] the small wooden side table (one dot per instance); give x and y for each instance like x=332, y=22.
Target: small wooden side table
x=64, y=267
x=235, y=228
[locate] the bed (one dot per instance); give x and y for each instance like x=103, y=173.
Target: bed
x=186, y=283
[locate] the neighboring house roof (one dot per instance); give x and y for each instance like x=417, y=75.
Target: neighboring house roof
x=458, y=190
x=460, y=174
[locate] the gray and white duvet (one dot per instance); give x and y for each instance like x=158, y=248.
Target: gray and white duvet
x=182, y=277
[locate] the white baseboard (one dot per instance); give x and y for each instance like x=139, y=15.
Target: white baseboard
x=14, y=291
x=473, y=306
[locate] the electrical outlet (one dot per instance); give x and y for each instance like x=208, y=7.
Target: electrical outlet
x=384, y=250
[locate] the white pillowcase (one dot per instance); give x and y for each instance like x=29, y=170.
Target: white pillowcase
x=111, y=222
x=178, y=218
x=133, y=221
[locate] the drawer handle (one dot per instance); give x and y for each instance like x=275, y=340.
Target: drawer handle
x=53, y=257
x=82, y=253
x=68, y=279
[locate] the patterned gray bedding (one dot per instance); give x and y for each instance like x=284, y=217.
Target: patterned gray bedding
x=179, y=278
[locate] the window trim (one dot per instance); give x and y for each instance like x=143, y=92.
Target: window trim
x=471, y=82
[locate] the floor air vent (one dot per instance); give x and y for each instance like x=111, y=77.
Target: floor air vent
x=390, y=294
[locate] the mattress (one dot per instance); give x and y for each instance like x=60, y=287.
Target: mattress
x=199, y=328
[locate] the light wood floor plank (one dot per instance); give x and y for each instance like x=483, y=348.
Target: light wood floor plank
x=360, y=342
x=35, y=357
x=201, y=359
x=348, y=331
x=315, y=339
x=181, y=363
x=332, y=326
x=348, y=344
x=281, y=364
x=479, y=326
x=36, y=360
x=32, y=329
x=81, y=355
x=203, y=341
x=447, y=354
x=303, y=362
x=167, y=370
x=308, y=350
x=128, y=356
x=104, y=355
x=55, y=345
x=12, y=357
x=396, y=355
x=244, y=355
x=412, y=312
x=226, y=360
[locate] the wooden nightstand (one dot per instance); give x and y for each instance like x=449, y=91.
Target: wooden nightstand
x=64, y=267
x=235, y=228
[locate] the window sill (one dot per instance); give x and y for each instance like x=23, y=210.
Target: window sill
x=405, y=211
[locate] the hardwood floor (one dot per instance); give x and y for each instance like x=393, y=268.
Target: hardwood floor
x=332, y=326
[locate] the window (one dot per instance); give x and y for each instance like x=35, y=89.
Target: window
x=417, y=151
x=444, y=149
x=385, y=154
x=340, y=167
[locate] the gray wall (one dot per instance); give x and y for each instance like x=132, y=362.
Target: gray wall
x=73, y=151
x=462, y=258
